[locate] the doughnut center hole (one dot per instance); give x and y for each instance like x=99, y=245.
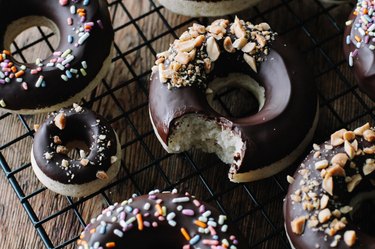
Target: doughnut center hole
x=236, y=96
x=31, y=38
x=77, y=149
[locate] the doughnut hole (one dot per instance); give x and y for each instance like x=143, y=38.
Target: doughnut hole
x=75, y=138
x=237, y=95
x=77, y=149
x=24, y=33
x=363, y=214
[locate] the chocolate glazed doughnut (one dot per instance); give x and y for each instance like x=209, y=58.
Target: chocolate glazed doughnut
x=161, y=220
x=359, y=45
x=79, y=63
x=331, y=199
x=100, y=152
x=250, y=56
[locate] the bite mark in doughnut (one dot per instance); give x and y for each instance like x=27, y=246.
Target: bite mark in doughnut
x=359, y=45
x=331, y=198
x=80, y=61
x=161, y=220
x=204, y=60
x=99, y=154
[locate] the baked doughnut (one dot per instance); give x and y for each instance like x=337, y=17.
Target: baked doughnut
x=239, y=54
x=359, y=46
x=331, y=199
x=80, y=61
x=160, y=220
x=99, y=154
x=207, y=7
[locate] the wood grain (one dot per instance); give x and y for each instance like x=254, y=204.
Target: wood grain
x=145, y=165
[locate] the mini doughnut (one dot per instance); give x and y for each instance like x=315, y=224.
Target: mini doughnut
x=99, y=154
x=331, y=198
x=359, y=45
x=206, y=59
x=207, y=7
x=80, y=61
x=161, y=220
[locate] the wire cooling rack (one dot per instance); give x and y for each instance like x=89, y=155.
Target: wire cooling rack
x=256, y=208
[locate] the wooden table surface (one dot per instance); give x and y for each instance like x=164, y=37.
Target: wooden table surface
x=255, y=207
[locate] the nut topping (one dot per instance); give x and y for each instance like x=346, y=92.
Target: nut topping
x=369, y=135
x=340, y=159
x=240, y=43
x=321, y=164
x=212, y=49
x=228, y=46
x=369, y=166
x=249, y=47
x=349, y=135
x=324, y=201
x=359, y=131
x=251, y=62
x=328, y=185
x=60, y=121
x=298, y=225
x=349, y=149
x=356, y=179
x=324, y=215
x=337, y=137
x=350, y=237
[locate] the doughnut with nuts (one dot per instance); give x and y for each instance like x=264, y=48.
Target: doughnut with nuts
x=239, y=54
x=359, y=45
x=207, y=7
x=99, y=152
x=160, y=220
x=80, y=61
x=331, y=198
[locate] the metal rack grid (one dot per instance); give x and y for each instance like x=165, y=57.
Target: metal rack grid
x=254, y=207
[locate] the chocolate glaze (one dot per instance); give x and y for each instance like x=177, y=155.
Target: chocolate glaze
x=162, y=236
x=94, y=51
x=310, y=238
x=84, y=126
x=272, y=133
x=363, y=63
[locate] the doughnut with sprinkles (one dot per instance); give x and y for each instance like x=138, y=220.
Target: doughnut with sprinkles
x=161, y=220
x=359, y=45
x=79, y=62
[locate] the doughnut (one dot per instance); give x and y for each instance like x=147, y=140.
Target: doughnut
x=99, y=152
x=207, y=7
x=359, y=45
x=253, y=58
x=331, y=198
x=80, y=61
x=161, y=220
